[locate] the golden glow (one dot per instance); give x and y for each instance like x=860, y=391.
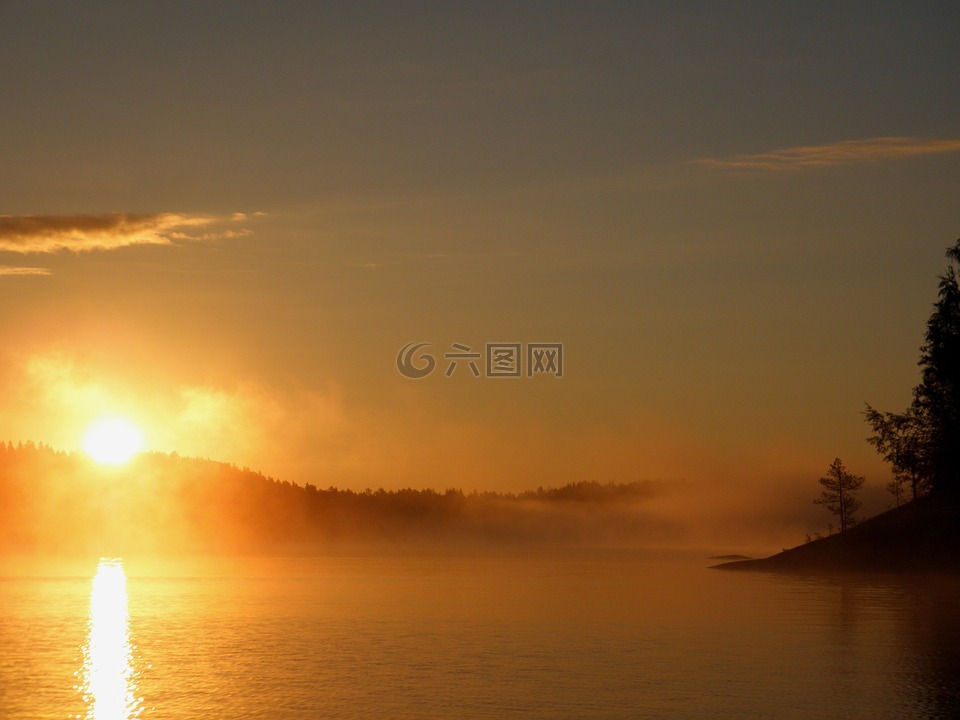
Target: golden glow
x=112, y=441
x=108, y=677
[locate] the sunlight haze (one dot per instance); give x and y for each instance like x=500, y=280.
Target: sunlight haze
x=229, y=224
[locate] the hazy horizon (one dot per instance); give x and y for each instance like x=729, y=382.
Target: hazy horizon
x=54, y=503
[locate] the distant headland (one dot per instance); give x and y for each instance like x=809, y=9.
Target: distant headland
x=922, y=536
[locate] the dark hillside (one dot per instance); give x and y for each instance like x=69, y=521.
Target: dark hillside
x=921, y=536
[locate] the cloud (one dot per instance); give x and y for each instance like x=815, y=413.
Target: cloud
x=9, y=270
x=83, y=233
x=848, y=151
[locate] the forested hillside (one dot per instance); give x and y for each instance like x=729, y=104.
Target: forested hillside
x=56, y=502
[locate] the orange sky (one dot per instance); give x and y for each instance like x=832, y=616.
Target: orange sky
x=224, y=222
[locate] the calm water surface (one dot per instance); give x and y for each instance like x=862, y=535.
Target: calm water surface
x=581, y=635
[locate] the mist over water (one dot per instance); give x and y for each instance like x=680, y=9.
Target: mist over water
x=585, y=633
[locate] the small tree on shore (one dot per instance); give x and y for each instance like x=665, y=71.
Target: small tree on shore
x=839, y=490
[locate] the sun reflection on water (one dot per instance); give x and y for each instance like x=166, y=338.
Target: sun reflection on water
x=109, y=687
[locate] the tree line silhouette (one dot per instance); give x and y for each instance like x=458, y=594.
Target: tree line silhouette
x=922, y=443
x=52, y=501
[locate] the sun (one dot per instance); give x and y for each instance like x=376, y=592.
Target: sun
x=112, y=441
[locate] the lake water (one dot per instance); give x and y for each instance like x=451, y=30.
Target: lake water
x=582, y=634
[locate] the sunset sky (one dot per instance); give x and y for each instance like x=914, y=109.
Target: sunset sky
x=223, y=221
